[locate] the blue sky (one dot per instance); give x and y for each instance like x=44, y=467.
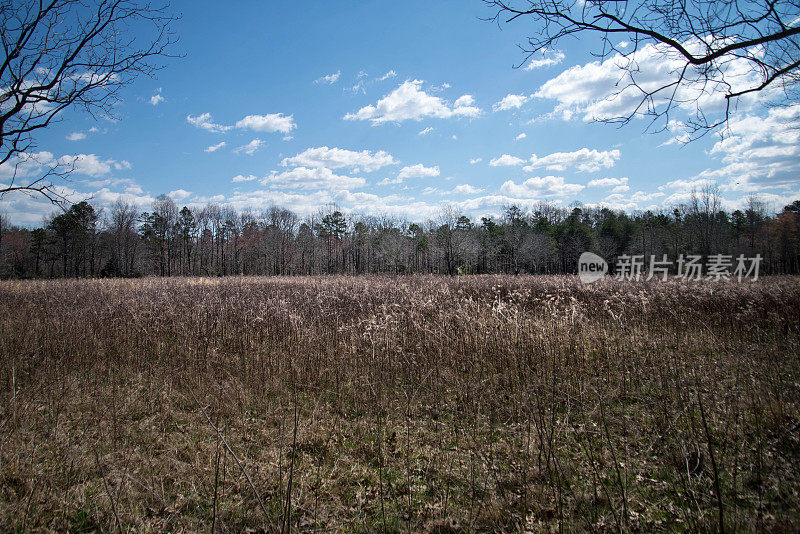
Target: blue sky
x=394, y=108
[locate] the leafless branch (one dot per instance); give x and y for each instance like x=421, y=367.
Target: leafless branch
x=63, y=55
x=710, y=42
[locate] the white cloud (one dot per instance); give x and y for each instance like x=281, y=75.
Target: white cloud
x=179, y=195
x=390, y=181
x=27, y=164
x=473, y=161
x=686, y=186
x=241, y=178
x=545, y=186
x=35, y=165
x=88, y=164
x=214, y=148
x=510, y=101
x=109, y=182
x=360, y=85
x=607, y=182
x=311, y=178
x=337, y=158
x=464, y=101
x=157, y=98
x=30, y=210
x=466, y=189
x=506, y=160
x=759, y=152
x=641, y=196
x=547, y=59
x=418, y=171
x=250, y=148
x=329, y=78
x=76, y=136
x=584, y=160
x=205, y=122
x=426, y=131
x=272, y=122
x=390, y=74
x=604, y=90
x=523, y=135
x=307, y=203
x=410, y=102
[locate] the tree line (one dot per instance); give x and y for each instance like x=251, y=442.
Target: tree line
x=216, y=240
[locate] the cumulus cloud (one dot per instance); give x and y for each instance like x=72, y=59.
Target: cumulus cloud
x=157, y=98
x=250, y=148
x=418, y=171
x=473, y=161
x=510, y=101
x=90, y=164
x=205, y=122
x=604, y=90
x=547, y=58
x=307, y=203
x=426, y=131
x=26, y=164
x=360, y=85
x=214, y=148
x=759, y=152
x=410, y=102
x=311, y=178
x=541, y=186
x=607, y=182
x=179, y=195
x=466, y=189
x=506, y=160
x=641, y=196
x=272, y=122
x=329, y=79
x=584, y=160
x=30, y=210
x=241, y=178
x=337, y=158
x=523, y=135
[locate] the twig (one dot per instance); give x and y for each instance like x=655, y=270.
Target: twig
x=216, y=487
x=713, y=464
x=236, y=458
x=288, y=511
x=110, y=496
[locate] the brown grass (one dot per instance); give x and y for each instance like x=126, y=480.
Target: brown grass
x=399, y=404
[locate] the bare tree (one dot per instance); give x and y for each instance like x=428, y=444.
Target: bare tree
x=734, y=48
x=61, y=55
x=122, y=227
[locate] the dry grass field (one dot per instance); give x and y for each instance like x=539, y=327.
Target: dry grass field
x=480, y=403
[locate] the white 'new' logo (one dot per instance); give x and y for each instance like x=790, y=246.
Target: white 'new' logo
x=591, y=267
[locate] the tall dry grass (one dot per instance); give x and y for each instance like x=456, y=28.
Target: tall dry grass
x=399, y=404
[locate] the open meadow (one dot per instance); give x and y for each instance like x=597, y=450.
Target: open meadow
x=417, y=403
